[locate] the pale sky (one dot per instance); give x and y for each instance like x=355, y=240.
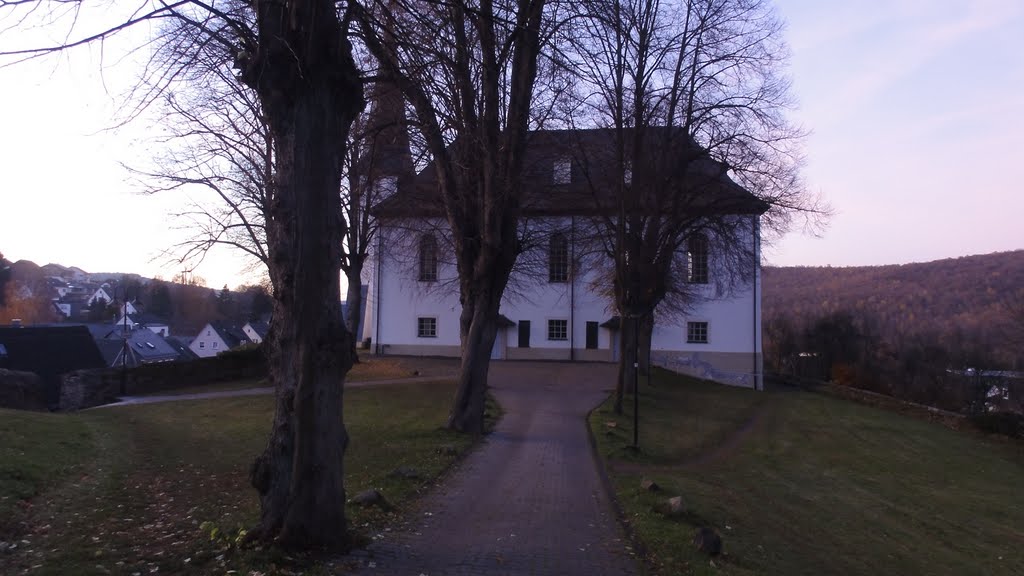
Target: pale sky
x=914, y=109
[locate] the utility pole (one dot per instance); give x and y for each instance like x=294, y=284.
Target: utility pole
x=124, y=342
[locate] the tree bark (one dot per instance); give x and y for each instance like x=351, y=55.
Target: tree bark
x=303, y=71
x=354, y=300
x=645, y=336
x=467, y=413
x=627, y=356
x=490, y=65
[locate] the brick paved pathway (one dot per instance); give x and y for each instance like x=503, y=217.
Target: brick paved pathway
x=529, y=500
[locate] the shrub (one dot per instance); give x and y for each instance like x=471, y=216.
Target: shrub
x=1006, y=423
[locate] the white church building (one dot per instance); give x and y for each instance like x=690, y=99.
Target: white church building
x=556, y=306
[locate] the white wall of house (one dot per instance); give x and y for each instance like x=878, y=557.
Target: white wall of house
x=731, y=353
x=207, y=343
x=253, y=335
x=100, y=294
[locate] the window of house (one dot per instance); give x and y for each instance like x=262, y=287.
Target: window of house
x=558, y=329
x=214, y=345
x=697, y=332
x=562, y=172
x=426, y=327
x=697, y=259
x=558, y=258
x=202, y=344
x=428, y=258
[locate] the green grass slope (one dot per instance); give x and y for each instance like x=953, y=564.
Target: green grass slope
x=802, y=483
x=140, y=489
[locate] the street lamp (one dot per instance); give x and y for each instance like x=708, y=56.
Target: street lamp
x=636, y=379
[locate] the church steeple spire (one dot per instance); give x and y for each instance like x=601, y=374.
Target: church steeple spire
x=387, y=152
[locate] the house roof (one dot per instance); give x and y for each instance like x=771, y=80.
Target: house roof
x=110, y=349
x=147, y=319
x=612, y=323
x=593, y=187
x=180, y=345
x=50, y=351
x=144, y=347
x=147, y=347
x=231, y=335
x=75, y=298
x=97, y=331
x=260, y=327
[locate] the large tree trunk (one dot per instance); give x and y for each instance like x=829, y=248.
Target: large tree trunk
x=467, y=413
x=490, y=59
x=645, y=336
x=303, y=71
x=354, y=300
x=626, y=383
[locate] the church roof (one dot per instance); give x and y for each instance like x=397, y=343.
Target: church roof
x=592, y=183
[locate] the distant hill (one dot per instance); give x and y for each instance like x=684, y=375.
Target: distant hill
x=52, y=269
x=26, y=270
x=958, y=303
x=187, y=308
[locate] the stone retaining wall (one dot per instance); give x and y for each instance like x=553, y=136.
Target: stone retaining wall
x=733, y=368
x=87, y=388
x=21, y=391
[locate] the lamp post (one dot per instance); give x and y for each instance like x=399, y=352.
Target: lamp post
x=636, y=379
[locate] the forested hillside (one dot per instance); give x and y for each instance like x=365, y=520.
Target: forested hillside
x=879, y=322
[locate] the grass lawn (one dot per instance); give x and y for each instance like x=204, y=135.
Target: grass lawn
x=803, y=483
x=125, y=490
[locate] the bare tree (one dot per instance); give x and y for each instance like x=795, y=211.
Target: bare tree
x=691, y=98
x=1014, y=306
x=5, y=277
x=219, y=140
x=379, y=163
x=468, y=68
x=297, y=58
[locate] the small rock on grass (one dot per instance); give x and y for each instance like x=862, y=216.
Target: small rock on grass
x=371, y=497
x=649, y=485
x=405, y=472
x=671, y=508
x=708, y=541
x=448, y=450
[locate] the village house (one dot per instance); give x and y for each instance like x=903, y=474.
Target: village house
x=215, y=338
